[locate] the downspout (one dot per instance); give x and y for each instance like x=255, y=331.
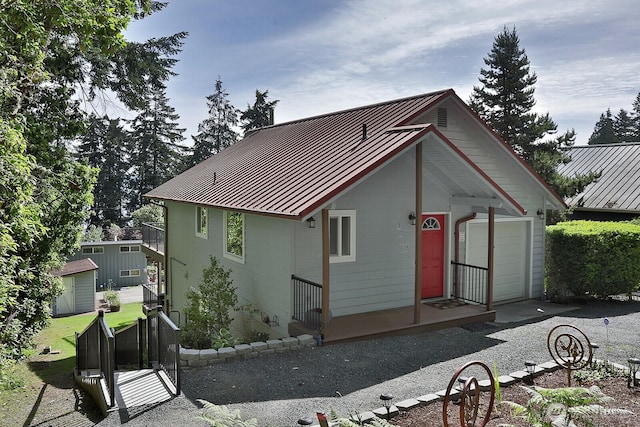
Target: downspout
x=459, y=222
x=167, y=268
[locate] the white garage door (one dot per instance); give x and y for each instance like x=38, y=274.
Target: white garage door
x=510, y=256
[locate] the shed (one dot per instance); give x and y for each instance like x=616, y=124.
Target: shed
x=79, y=279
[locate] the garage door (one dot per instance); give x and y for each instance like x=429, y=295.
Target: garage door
x=510, y=256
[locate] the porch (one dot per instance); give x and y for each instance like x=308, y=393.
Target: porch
x=398, y=321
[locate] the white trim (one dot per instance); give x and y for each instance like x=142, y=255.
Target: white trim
x=225, y=253
x=201, y=231
x=339, y=257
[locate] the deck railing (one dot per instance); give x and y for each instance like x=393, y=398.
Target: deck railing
x=307, y=302
x=470, y=282
x=95, y=351
x=153, y=236
x=150, y=295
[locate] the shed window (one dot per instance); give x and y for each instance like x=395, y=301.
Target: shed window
x=342, y=235
x=132, y=248
x=201, y=222
x=93, y=250
x=234, y=236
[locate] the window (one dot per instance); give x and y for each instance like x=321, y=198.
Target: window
x=130, y=273
x=92, y=250
x=342, y=236
x=133, y=248
x=201, y=222
x=234, y=236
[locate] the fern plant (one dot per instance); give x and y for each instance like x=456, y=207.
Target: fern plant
x=356, y=421
x=564, y=407
x=222, y=416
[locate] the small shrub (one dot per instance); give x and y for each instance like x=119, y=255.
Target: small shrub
x=224, y=339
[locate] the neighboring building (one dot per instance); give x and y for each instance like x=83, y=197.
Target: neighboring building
x=120, y=261
x=79, y=279
x=615, y=196
x=316, y=219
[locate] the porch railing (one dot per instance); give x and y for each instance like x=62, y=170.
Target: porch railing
x=95, y=351
x=470, y=282
x=307, y=302
x=153, y=236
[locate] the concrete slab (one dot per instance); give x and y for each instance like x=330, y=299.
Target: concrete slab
x=527, y=310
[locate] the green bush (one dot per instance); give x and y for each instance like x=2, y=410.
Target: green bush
x=208, y=307
x=590, y=258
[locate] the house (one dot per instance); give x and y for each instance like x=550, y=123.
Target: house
x=79, y=279
x=391, y=217
x=122, y=262
x=615, y=195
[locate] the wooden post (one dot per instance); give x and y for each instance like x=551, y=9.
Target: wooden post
x=490, y=250
x=325, y=272
x=417, y=304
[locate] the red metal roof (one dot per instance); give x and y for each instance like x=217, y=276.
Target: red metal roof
x=294, y=168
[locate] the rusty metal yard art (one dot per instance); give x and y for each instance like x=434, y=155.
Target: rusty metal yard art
x=570, y=348
x=469, y=397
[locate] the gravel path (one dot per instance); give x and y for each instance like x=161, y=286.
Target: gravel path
x=280, y=389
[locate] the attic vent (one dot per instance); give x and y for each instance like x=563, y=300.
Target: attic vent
x=442, y=117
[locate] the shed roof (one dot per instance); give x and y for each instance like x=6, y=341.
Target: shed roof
x=295, y=168
x=617, y=189
x=75, y=267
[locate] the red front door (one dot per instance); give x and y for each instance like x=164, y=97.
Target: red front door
x=432, y=255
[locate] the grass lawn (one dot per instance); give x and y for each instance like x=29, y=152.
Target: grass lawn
x=41, y=370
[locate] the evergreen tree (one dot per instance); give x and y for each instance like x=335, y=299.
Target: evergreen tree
x=636, y=118
x=624, y=126
x=216, y=132
x=505, y=101
x=260, y=114
x=156, y=153
x=103, y=147
x=603, y=132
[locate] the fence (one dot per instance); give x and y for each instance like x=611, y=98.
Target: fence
x=470, y=282
x=95, y=350
x=307, y=302
x=164, y=346
x=129, y=345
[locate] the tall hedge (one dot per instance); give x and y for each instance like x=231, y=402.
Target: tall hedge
x=592, y=258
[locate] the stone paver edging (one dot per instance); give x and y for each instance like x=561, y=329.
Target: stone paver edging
x=210, y=356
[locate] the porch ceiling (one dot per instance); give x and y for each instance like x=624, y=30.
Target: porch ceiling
x=454, y=173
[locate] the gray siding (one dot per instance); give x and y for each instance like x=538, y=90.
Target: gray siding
x=112, y=262
x=85, y=294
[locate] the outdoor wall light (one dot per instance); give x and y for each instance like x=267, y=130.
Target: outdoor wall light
x=386, y=401
x=634, y=364
x=540, y=213
x=412, y=218
x=311, y=222
x=530, y=367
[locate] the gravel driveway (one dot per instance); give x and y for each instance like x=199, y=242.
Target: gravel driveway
x=281, y=388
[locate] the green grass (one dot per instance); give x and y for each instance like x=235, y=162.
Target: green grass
x=41, y=368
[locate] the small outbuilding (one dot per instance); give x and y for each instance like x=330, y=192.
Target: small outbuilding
x=80, y=288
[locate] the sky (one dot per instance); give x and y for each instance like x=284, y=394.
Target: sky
x=319, y=56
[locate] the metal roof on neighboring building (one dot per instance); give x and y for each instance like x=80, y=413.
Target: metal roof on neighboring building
x=295, y=168
x=618, y=187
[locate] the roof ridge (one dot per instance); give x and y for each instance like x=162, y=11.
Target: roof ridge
x=617, y=144
x=363, y=107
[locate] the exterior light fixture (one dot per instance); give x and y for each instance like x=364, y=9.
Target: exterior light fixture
x=386, y=401
x=530, y=367
x=311, y=222
x=540, y=213
x=412, y=218
x=634, y=365
x=305, y=421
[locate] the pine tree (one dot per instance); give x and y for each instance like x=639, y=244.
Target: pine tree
x=623, y=126
x=636, y=118
x=603, y=132
x=216, y=132
x=505, y=100
x=156, y=152
x=260, y=114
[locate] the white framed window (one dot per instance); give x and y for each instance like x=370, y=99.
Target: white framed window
x=130, y=248
x=202, y=223
x=130, y=273
x=93, y=250
x=342, y=236
x=233, y=236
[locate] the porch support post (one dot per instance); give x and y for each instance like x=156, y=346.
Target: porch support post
x=490, y=250
x=417, y=304
x=325, y=271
